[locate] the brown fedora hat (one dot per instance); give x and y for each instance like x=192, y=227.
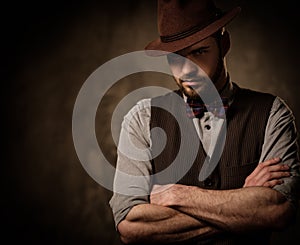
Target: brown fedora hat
x=182, y=23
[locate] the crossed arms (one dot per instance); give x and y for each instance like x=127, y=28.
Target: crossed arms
x=179, y=212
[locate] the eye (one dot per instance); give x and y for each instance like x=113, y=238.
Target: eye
x=199, y=51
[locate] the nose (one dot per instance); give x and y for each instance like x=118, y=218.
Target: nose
x=182, y=67
x=189, y=70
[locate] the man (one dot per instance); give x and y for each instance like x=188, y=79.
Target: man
x=234, y=189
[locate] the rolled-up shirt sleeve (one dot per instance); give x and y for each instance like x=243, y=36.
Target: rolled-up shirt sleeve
x=281, y=141
x=133, y=168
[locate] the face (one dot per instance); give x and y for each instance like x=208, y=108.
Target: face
x=200, y=60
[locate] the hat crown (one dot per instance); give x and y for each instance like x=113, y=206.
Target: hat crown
x=182, y=23
x=178, y=16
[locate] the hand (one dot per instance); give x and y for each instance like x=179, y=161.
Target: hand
x=169, y=195
x=268, y=174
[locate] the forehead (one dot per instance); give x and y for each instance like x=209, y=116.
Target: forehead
x=207, y=42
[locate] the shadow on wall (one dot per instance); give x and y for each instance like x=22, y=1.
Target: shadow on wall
x=51, y=51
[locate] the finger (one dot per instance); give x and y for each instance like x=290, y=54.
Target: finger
x=273, y=182
x=262, y=165
x=273, y=171
x=271, y=162
x=267, y=166
x=261, y=179
x=278, y=167
x=275, y=175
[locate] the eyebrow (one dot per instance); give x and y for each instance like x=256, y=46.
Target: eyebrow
x=199, y=48
x=193, y=50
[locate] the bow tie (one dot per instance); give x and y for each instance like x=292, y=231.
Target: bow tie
x=196, y=107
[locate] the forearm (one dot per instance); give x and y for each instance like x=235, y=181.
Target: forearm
x=238, y=210
x=148, y=223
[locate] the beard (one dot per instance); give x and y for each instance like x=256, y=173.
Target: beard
x=203, y=86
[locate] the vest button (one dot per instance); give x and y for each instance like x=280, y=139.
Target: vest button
x=207, y=127
x=208, y=182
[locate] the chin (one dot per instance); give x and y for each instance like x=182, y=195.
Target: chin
x=195, y=93
x=190, y=93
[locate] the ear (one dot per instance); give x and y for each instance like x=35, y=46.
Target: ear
x=225, y=43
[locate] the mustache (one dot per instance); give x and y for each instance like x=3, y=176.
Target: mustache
x=194, y=78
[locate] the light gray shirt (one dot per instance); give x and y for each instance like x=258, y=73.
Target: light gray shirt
x=134, y=151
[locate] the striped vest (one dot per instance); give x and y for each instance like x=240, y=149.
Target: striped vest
x=246, y=122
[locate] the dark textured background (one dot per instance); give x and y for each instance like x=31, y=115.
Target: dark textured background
x=48, y=50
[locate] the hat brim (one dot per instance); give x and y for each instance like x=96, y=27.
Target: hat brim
x=160, y=48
